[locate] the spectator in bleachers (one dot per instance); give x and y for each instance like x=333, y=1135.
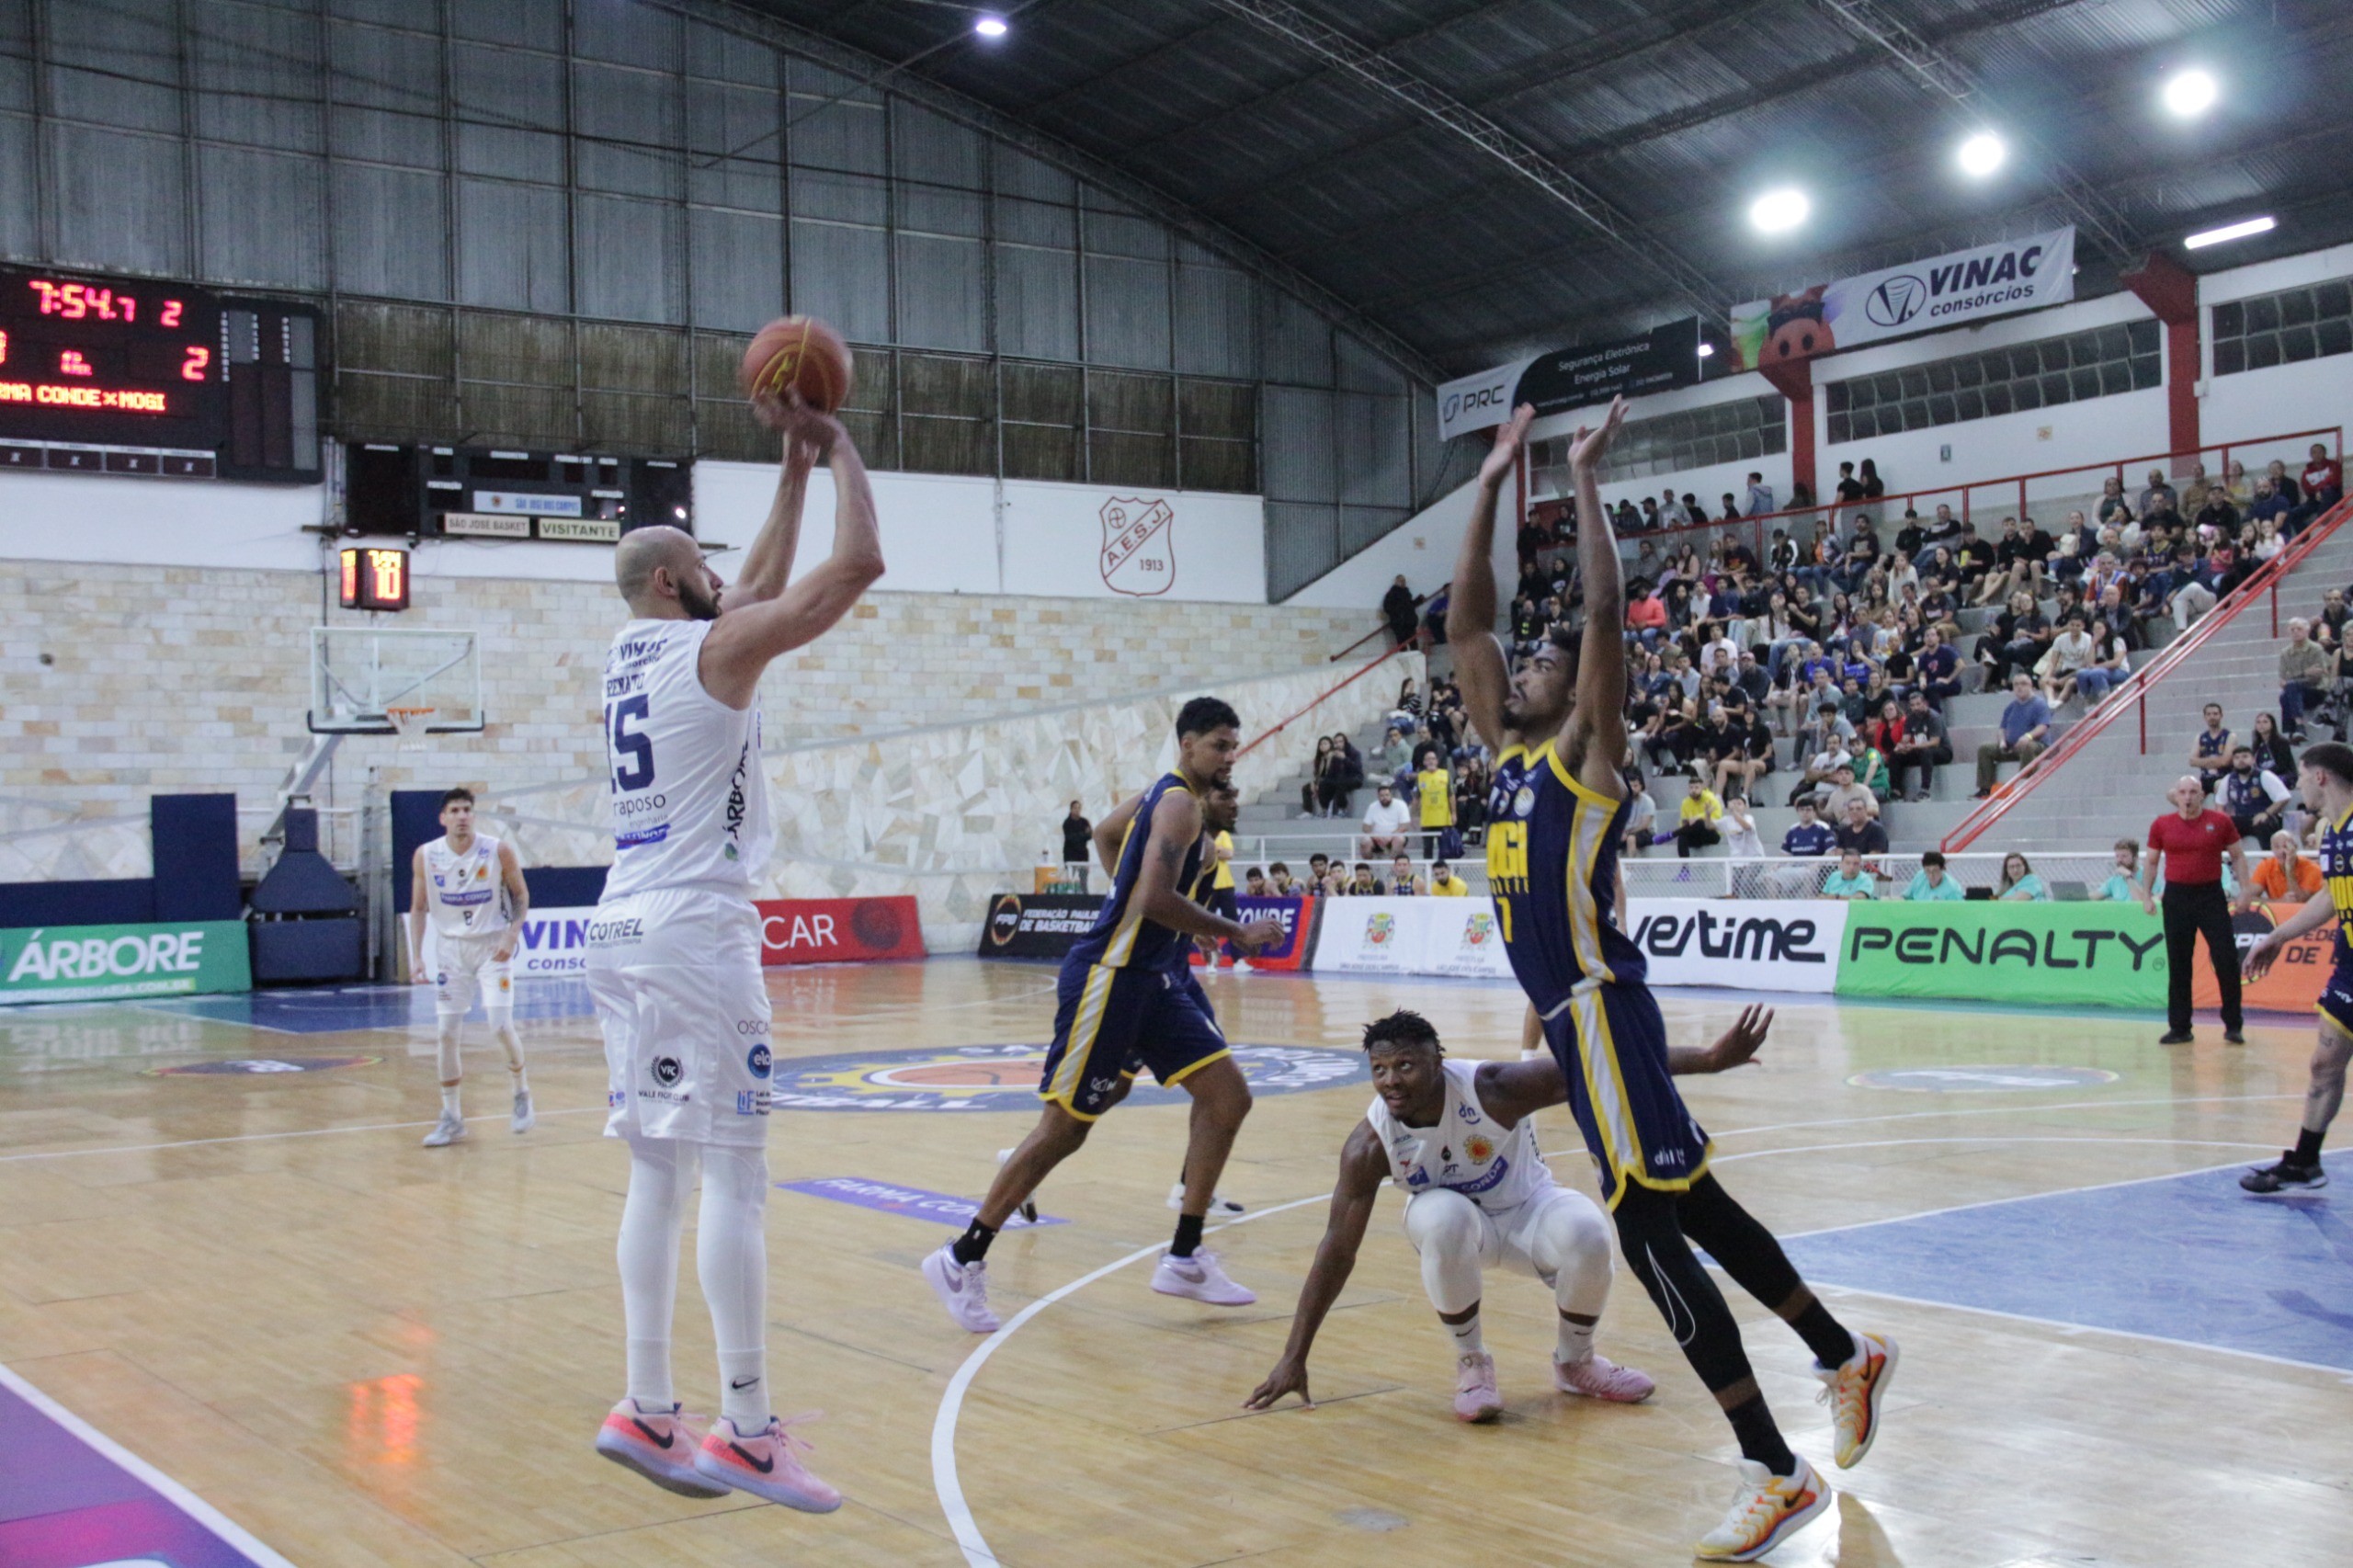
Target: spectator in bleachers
x=1254, y=883
x=2209, y=752
x=2271, y=747
x=1641, y=815
x=2253, y=798
x=1392, y=759
x=1744, y=751
x=1698, y=818
x=1401, y=882
x=1406, y=717
x=1320, y=865
x=2019, y=884
x=1932, y=884
x=2156, y=493
x=1471, y=799
x=2323, y=482
x=1938, y=669
x=2113, y=508
x=1741, y=838
x=1874, y=487
x=2025, y=724
x=2304, y=671
x=1434, y=800
x=1850, y=881
x=1925, y=745
x=1279, y=883
x=2269, y=504
x=2287, y=876
x=1646, y=616
x=1384, y=823
x=1849, y=489
x=2019, y=636
x=1809, y=837
x=1825, y=747
x=1364, y=884
x=2123, y=884
x=1858, y=831
x=1760, y=498
x=1871, y=774
x=1444, y=883
x=2059, y=669
x=1397, y=609
x=1078, y=846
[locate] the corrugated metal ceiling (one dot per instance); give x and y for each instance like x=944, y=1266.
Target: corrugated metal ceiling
x=1676, y=114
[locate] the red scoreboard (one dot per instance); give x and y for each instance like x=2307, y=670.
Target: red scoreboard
x=132, y=376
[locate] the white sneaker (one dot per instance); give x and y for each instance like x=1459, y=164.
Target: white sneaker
x=524, y=1119
x=447, y=1130
x=962, y=1289
x=1219, y=1202
x=1200, y=1278
x=1767, y=1510
x=1242, y=966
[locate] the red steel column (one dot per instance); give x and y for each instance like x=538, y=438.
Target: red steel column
x=2170, y=291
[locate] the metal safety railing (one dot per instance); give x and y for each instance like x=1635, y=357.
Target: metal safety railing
x=1661, y=874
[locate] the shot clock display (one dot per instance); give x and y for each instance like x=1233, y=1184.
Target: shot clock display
x=374, y=578
x=128, y=376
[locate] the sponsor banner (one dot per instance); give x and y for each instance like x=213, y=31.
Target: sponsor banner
x=2295, y=981
x=97, y=964
x=484, y=525
x=838, y=930
x=887, y=1198
x=1761, y=944
x=1037, y=926
x=1411, y=935
x=1298, y=918
x=1963, y=285
x=1663, y=357
x=2108, y=955
x=529, y=505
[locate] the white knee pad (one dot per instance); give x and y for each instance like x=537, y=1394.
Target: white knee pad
x=1445, y=1229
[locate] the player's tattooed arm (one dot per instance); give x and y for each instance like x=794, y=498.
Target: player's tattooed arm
x=1364, y=1166
x=1479, y=667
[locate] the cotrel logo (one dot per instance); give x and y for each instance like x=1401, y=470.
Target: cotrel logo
x=99, y=958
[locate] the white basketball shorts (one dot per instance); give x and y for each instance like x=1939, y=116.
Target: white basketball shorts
x=676, y=976
x=466, y=969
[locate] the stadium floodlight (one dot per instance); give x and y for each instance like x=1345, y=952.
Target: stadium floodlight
x=2190, y=92
x=2231, y=232
x=1779, y=211
x=1707, y=350
x=990, y=26
x=1981, y=154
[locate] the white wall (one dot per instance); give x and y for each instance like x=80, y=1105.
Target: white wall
x=1423, y=547
x=2285, y=397
x=1708, y=481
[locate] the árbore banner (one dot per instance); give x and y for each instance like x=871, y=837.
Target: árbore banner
x=1037, y=926
x=1760, y=944
x=1944, y=290
x=2109, y=955
x=1663, y=357
x=95, y=963
x=838, y=930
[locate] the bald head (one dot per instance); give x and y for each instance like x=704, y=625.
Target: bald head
x=683, y=587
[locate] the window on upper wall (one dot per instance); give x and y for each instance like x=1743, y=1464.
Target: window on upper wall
x=2102, y=362
x=2294, y=324
x=1738, y=431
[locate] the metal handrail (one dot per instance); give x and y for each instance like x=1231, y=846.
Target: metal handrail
x=2264, y=580
x=1318, y=700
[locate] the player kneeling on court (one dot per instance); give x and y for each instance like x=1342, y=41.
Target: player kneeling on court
x=1459, y=1138
x=470, y=887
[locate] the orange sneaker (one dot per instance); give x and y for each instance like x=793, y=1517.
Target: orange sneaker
x=765, y=1464
x=660, y=1445
x=1852, y=1389
x=1769, y=1510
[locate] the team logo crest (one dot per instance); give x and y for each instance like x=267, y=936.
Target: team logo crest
x=1138, y=546
x=667, y=1070
x=1476, y=930
x=759, y=1062
x=1478, y=1148
x=1006, y=1077
x=1523, y=803
x=1379, y=929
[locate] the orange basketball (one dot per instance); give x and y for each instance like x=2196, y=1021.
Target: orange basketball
x=801, y=352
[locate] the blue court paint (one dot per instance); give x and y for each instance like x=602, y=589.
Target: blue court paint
x=69, y=1498
x=2189, y=1257
x=340, y=1009
x=912, y=1201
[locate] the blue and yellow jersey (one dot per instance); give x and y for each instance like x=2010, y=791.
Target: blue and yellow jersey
x=1553, y=869
x=2336, y=872
x=1123, y=937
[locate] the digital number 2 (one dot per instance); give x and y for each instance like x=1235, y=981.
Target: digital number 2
x=635, y=751
x=192, y=368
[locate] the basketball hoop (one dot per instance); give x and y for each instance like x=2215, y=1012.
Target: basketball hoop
x=409, y=724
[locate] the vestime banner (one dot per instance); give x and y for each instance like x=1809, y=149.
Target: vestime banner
x=1945, y=290
x=1761, y=944
x=2108, y=955
x=1662, y=358
x=95, y=963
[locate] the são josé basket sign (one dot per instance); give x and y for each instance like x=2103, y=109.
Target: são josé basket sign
x=96, y=963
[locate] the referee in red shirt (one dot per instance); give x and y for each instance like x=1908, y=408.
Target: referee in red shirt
x=2185, y=847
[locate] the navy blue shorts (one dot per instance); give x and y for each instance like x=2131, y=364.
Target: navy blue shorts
x=1611, y=1044
x=1110, y=1024
x=2336, y=999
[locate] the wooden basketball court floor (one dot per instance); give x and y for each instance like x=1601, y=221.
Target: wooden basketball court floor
x=363, y=1352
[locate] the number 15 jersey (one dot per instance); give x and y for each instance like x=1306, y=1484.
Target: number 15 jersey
x=691, y=804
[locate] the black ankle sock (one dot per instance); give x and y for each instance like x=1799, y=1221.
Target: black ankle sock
x=1831, y=1345
x=1188, y=1236
x=2308, y=1146
x=973, y=1244
x=1759, y=1438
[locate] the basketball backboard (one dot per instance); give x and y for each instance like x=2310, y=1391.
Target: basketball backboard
x=359, y=672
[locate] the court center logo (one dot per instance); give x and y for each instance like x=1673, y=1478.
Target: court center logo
x=1896, y=300
x=1005, y=1077
x=258, y=1066
x=1138, y=546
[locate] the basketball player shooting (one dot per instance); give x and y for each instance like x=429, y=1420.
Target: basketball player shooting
x=674, y=954
x=470, y=888
x=1119, y=1005
x=1459, y=1139
x=1556, y=817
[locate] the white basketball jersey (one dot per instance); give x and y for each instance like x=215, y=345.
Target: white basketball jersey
x=1465, y=1151
x=464, y=894
x=691, y=804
